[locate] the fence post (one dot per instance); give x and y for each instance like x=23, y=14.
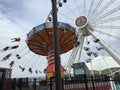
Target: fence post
x=62, y=84
x=93, y=86
x=51, y=83
x=20, y=83
x=27, y=82
x=13, y=83
x=34, y=83
x=85, y=79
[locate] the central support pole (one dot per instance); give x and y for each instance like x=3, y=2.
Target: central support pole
x=56, y=47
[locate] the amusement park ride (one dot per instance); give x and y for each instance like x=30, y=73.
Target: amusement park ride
x=40, y=41
x=72, y=34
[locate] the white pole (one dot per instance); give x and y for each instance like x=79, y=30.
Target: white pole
x=81, y=46
x=92, y=72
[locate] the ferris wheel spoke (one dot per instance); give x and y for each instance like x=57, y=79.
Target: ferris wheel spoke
x=71, y=60
x=108, y=20
x=67, y=58
x=110, y=35
x=77, y=6
x=69, y=18
x=71, y=11
x=107, y=14
x=104, y=8
x=96, y=8
x=27, y=57
x=108, y=27
x=84, y=7
x=40, y=62
x=39, y=68
x=25, y=54
x=37, y=61
x=80, y=48
x=21, y=50
x=90, y=9
x=34, y=64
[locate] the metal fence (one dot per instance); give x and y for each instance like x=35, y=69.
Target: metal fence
x=87, y=83
x=69, y=83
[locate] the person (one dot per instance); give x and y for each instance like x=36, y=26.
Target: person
x=97, y=40
x=36, y=71
x=22, y=68
x=11, y=64
x=6, y=57
x=18, y=56
x=88, y=42
x=30, y=70
x=5, y=49
x=86, y=48
x=88, y=60
x=95, y=54
x=89, y=53
x=15, y=39
x=99, y=48
x=14, y=47
x=78, y=43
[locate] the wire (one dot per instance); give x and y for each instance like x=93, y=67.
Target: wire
x=90, y=9
x=71, y=11
x=108, y=27
x=66, y=16
x=96, y=9
x=28, y=59
x=77, y=6
x=103, y=9
x=106, y=14
x=110, y=35
x=84, y=7
x=108, y=20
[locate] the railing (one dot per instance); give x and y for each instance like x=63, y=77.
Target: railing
x=69, y=83
x=85, y=83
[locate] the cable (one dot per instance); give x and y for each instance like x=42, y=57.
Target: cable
x=103, y=9
x=110, y=35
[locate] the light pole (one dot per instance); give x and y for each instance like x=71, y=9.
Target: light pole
x=56, y=47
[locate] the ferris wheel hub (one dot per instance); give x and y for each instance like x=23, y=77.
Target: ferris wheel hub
x=81, y=21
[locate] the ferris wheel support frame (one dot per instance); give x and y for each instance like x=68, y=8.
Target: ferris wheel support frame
x=85, y=28
x=80, y=47
x=109, y=50
x=74, y=53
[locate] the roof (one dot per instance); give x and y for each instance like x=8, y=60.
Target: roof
x=103, y=65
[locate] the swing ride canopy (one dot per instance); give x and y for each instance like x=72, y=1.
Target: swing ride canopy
x=41, y=37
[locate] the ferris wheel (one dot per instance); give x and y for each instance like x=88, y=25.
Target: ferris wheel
x=97, y=26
